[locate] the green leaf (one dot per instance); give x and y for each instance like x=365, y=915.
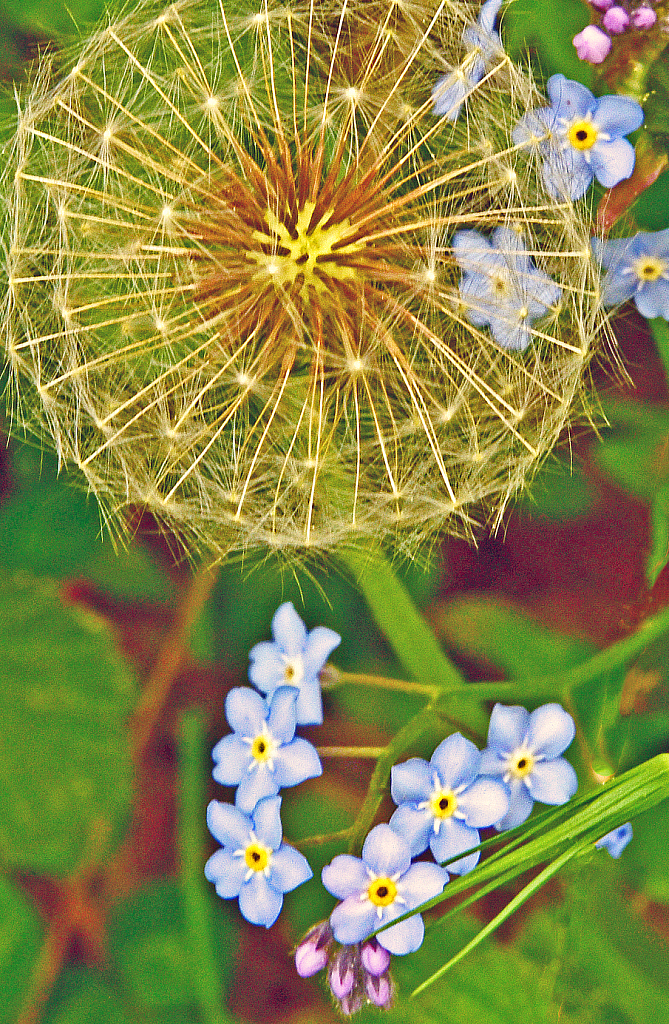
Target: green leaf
x=636, y=454
x=482, y=628
x=20, y=938
x=65, y=696
x=53, y=20
x=560, y=491
x=52, y=529
x=492, y=986
x=603, y=964
x=83, y=999
x=538, y=26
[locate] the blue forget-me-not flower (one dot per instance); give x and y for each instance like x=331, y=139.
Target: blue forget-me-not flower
x=501, y=286
x=483, y=44
x=524, y=750
x=294, y=658
x=580, y=137
x=263, y=754
x=442, y=804
x=380, y=887
x=616, y=840
x=637, y=268
x=254, y=864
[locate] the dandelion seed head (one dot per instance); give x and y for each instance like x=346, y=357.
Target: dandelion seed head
x=234, y=297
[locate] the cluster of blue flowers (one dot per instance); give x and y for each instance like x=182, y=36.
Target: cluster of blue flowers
x=441, y=805
x=579, y=138
x=262, y=756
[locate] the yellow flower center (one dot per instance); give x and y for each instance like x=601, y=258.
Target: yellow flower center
x=582, y=135
x=261, y=748
x=444, y=804
x=649, y=268
x=256, y=856
x=382, y=892
x=521, y=765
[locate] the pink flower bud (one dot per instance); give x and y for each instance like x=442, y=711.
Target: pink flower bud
x=375, y=959
x=601, y=5
x=643, y=17
x=341, y=980
x=616, y=20
x=592, y=45
x=309, y=959
x=379, y=990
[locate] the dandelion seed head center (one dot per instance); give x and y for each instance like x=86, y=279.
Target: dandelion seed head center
x=521, y=764
x=107, y=134
x=212, y=102
x=382, y=891
x=443, y=803
x=651, y=268
x=257, y=857
x=352, y=94
x=582, y=134
x=310, y=251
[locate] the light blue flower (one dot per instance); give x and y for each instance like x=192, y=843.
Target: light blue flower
x=580, y=137
x=616, y=841
x=294, y=658
x=442, y=804
x=380, y=887
x=638, y=268
x=501, y=287
x=262, y=755
x=483, y=45
x=524, y=749
x=254, y=864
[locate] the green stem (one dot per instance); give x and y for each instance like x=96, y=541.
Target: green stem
x=416, y=727
x=336, y=678
x=410, y=637
x=660, y=331
x=360, y=752
x=197, y=905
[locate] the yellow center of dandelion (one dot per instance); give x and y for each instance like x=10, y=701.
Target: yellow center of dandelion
x=382, y=892
x=521, y=765
x=256, y=857
x=649, y=268
x=261, y=748
x=312, y=251
x=444, y=804
x=582, y=135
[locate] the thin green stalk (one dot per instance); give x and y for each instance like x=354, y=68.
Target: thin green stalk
x=509, y=909
x=361, y=752
x=413, y=642
x=336, y=678
x=197, y=905
x=660, y=331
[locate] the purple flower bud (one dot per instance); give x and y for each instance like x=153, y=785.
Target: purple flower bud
x=312, y=954
x=643, y=17
x=375, y=959
x=616, y=20
x=592, y=45
x=351, y=1004
x=379, y=990
x=341, y=981
x=601, y=5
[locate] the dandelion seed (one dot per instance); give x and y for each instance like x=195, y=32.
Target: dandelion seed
x=269, y=256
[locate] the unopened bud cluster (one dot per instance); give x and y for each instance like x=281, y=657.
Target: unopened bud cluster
x=356, y=974
x=233, y=295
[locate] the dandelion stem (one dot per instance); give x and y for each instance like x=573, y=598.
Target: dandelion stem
x=170, y=656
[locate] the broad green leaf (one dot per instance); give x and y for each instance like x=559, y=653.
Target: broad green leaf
x=535, y=25
x=636, y=454
x=20, y=938
x=645, y=864
x=65, y=697
x=482, y=628
x=148, y=941
x=53, y=20
x=560, y=491
x=81, y=998
x=49, y=527
x=603, y=965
